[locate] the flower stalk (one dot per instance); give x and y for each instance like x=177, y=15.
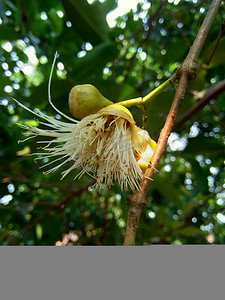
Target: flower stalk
x=140, y=101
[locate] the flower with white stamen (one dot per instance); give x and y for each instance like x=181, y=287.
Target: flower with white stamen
x=107, y=145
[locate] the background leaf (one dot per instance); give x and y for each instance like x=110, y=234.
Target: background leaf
x=89, y=20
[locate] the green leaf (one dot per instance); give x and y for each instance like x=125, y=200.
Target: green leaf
x=2, y=12
x=175, y=50
x=8, y=33
x=162, y=217
x=219, y=104
x=3, y=82
x=93, y=62
x=190, y=206
x=167, y=190
x=108, y=5
x=59, y=93
x=200, y=175
x=177, y=225
x=188, y=231
x=203, y=145
x=88, y=20
x=39, y=231
x=56, y=21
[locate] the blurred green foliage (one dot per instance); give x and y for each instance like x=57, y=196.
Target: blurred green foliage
x=186, y=201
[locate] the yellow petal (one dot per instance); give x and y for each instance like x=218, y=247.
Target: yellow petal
x=118, y=111
x=140, y=139
x=145, y=159
x=152, y=144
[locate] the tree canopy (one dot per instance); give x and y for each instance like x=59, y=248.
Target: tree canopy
x=186, y=200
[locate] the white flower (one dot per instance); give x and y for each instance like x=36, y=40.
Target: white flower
x=107, y=145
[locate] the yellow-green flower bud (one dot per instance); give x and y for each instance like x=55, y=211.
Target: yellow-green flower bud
x=85, y=99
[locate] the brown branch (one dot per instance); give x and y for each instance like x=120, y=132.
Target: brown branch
x=210, y=94
x=185, y=73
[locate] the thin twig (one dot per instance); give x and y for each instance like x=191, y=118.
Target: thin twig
x=185, y=72
x=216, y=44
x=211, y=94
x=218, y=115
